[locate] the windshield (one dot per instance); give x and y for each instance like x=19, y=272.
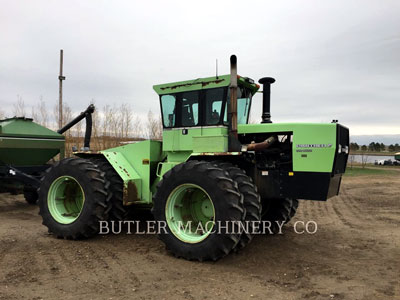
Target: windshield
x=243, y=105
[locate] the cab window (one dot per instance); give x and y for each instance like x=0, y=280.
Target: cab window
x=190, y=109
x=213, y=106
x=168, y=103
x=243, y=106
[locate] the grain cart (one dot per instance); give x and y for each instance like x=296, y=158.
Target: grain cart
x=26, y=149
x=212, y=167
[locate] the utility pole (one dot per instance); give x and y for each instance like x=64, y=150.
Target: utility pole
x=60, y=78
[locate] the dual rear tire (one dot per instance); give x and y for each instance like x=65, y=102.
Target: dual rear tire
x=222, y=186
x=279, y=212
x=199, y=204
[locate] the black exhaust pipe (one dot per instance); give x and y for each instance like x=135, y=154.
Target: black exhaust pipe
x=266, y=109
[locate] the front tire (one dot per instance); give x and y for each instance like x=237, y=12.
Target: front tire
x=73, y=199
x=202, y=193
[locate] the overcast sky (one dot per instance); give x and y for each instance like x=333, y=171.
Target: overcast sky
x=331, y=59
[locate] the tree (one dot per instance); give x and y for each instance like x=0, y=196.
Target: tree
x=66, y=114
x=371, y=146
x=364, y=159
x=396, y=147
x=351, y=160
x=19, y=107
x=377, y=147
x=354, y=147
x=67, y=117
x=364, y=156
x=40, y=114
x=44, y=116
x=154, y=126
x=125, y=120
x=392, y=148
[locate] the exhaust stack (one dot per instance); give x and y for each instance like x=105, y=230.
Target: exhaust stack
x=233, y=98
x=233, y=142
x=266, y=109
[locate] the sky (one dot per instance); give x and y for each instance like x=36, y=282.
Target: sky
x=331, y=59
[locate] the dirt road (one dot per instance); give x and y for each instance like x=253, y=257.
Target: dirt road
x=355, y=254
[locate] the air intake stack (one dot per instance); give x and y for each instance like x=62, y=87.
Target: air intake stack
x=266, y=109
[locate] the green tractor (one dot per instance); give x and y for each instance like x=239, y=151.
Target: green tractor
x=211, y=171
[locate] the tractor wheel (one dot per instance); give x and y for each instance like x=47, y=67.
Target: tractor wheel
x=251, y=200
x=280, y=210
x=293, y=209
x=118, y=211
x=197, y=202
x=31, y=196
x=73, y=198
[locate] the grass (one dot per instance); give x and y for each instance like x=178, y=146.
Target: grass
x=358, y=171
x=383, y=153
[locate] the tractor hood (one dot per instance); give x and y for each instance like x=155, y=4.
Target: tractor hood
x=314, y=144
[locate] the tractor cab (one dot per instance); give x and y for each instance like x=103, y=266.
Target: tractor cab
x=203, y=102
x=195, y=113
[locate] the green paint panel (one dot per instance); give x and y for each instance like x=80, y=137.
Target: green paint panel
x=137, y=162
x=210, y=143
x=20, y=127
x=175, y=140
x=25, y=143
x=178, y=157
x=319, y=159
x=125, y=170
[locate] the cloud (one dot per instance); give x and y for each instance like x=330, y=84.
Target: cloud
x=332, y=60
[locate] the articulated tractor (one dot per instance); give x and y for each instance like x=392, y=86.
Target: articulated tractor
x=211, y=167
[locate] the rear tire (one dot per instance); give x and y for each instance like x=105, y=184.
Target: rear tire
x=73, y=199
x=201, y=192
x=251, y=200
x=118, y=211
x=280, y=211
x=293, y=209
x=31, y=196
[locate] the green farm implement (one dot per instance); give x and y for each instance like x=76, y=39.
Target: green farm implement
x=26, y=149
x=211, y=167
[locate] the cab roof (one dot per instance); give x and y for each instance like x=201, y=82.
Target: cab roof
x=203, y=83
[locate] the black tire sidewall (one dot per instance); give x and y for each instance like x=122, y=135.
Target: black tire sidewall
x=86, y=216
